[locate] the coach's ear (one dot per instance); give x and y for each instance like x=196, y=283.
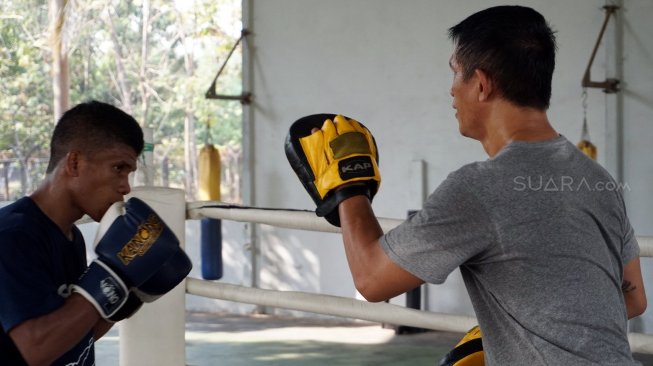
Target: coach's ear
x=484, y=84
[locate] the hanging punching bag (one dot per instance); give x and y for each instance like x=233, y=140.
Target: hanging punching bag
x=585, y=145
x=211, y=229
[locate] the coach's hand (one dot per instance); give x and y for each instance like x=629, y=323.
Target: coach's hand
x=135, y=248
x=338, y=161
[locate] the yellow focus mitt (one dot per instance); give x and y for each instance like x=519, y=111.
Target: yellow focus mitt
x=342, y=151
x=468, y=352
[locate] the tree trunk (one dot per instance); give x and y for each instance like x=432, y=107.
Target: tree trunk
x=190, y=150
x=190, y=153
x=143, y=69
x=165, y=172
x=60, y=81
x=5, y=165
x=125, y=93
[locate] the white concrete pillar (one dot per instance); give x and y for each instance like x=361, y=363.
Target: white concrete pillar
x=155, y=335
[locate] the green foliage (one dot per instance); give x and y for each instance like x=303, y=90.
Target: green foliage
x=25, y=94
x=164, y=86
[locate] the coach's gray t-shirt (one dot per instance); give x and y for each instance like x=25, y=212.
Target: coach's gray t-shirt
x=541, y=236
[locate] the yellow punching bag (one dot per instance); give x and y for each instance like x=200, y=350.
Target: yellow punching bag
x=585, y=145
x=209, y=173
x=211, y=229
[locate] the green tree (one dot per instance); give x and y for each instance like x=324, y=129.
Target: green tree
x=153, y=58
x=25, y=95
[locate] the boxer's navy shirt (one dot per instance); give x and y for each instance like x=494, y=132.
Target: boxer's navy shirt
x=38, y=263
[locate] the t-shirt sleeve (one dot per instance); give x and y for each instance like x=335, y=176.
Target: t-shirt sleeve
x=630, y=246
x=630, y=249
x=451, y=229
x=26, y=289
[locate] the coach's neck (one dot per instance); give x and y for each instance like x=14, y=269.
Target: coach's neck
x=506, y=122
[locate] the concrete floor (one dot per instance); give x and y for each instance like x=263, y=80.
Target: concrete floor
x=213, y=339
x=219, y=339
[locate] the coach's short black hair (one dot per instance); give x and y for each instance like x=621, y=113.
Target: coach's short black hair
x=93, y=126
x=514, y=46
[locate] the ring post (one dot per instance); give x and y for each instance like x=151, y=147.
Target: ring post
x=155, y=335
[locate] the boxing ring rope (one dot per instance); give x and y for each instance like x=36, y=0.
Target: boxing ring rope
x=279, y=217
x=331, y=305
x=305, y=219
x=335, y=305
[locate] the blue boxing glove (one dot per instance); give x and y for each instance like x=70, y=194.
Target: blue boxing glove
x=131, y=306
x=134, y=244
x=167, y=277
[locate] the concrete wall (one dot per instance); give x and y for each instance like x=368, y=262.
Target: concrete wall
x=638, y=130
x=385, y=63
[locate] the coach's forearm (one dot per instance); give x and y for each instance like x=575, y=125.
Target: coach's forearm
x=375, y=275
x=360, y=233
x=633, y=289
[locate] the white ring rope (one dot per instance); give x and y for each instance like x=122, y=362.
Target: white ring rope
x=640, y=342
x=356, y=309
x=331, y=305
x=645, y=246
x=286, y=218
x=307, y=220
